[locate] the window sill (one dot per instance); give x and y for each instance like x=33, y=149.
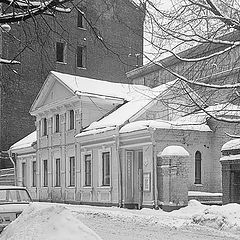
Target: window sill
x=198, y=184
x=64, y=63
x=109, y=188
x=82, y=28
x=82, y=68
x=71, y=187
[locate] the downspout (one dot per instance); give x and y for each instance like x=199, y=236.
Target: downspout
x=117, y=144
x=154, y=170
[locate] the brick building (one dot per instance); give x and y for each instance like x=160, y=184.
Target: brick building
x=104, y=43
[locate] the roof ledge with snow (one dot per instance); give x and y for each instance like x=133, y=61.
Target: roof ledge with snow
x=174, y=151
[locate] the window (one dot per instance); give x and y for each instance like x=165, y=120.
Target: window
x=81, y=56
x=60, y=52
x=24, y=174
x=57, y=172
x=45, y=173
x=72, y=171
x=80, y=19
x=106, y=169
x=34, y=174
x=198, y=160
x=71, y=119
x=88, y=170
x=44, y=127
x=57, y=123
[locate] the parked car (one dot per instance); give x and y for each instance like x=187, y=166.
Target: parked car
x=13, y=200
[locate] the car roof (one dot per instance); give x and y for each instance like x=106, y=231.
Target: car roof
x=11, y=187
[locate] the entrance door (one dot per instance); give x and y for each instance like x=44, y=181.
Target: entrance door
x=129, y=177
x=139, y=155
x=236, y=187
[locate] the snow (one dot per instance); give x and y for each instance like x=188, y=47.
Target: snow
x=83, y=85
x=138, y=105
x=161, y=124
x=95, y=131
x=230, y=157
x=61, y=221
x=41, y=222
x=208, y=194
x=174, y=151
x=25, y=142
x=231, y=145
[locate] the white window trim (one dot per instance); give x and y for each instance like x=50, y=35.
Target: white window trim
x=31, y=172
x=100, y=152
x=83, y=154
x=42, y=172
x=68, y=120
x=68, y=171
x=54, y=171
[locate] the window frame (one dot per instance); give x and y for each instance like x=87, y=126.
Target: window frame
x=57, y=172
x=34, y=173
x=45, y=173
x=71, y=120
x=24, y=174
x=83, y=56
x=198, y=168
x=86, y=174
x=44, y=127
x=63, y=52
x=80, y=16
x=102, y=182
x=56, y=123
x=72, y=172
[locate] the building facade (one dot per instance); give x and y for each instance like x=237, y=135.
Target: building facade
x=98, y=39
x=96, y=143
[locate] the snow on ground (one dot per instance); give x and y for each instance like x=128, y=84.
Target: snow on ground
x=61, y=221
x=48, y=222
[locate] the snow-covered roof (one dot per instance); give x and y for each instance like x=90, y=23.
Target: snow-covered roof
x=231, y=145
x=161, y=124
x=83, y=85
x=133, y=108
x=25, y=142
x=174, y=151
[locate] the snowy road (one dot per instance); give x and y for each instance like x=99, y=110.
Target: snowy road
x=130, y=228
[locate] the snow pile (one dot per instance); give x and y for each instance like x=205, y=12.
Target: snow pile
x=174, y=151
x=41, y=222
x=225, y=217
x=231, y=145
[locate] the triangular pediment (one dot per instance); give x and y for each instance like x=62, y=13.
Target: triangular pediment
x=53, y=90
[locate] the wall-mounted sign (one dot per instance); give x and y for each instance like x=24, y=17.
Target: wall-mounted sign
x=146, y=182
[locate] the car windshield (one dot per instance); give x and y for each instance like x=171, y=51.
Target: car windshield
x=14, y=196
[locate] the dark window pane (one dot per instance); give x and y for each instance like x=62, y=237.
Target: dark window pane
x=81, y=56
x=24, y=174
x=80, y=20
x=57, y=182
x=71, y=119
x=106, y=169
x=88, y=170
x=44, y=127
x=60, y=51
x=57, y=123
x=72, y=171
x=34, y=173
x=45, y=173
x=198, y=167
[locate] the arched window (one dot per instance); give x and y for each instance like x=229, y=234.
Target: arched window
x=198, y=160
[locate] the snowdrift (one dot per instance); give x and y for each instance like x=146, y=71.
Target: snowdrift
x=39, y=222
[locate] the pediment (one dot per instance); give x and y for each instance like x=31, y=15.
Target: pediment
x=53, y=90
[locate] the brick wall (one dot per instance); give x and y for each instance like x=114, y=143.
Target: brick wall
x=121, y=28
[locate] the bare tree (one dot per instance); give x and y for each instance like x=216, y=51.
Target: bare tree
x=197, y=42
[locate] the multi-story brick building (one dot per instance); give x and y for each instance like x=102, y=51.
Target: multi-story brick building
x=98, y=39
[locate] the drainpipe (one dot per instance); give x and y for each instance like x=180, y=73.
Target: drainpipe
x=117, y=144
x=154, y=157
x=14, y=166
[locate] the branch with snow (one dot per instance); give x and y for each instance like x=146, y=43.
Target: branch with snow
x=5, y=61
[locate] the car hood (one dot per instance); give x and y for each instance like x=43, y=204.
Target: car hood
x=13, y=207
